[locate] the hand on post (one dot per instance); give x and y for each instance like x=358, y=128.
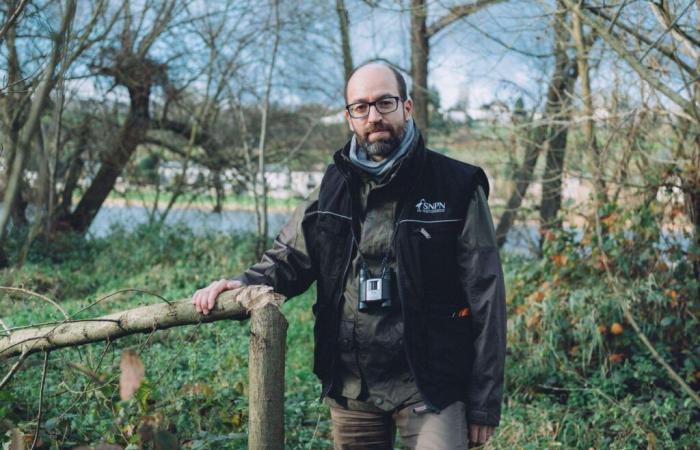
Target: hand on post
x=204, y=299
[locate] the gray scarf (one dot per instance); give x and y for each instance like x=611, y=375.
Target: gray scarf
x=376, y=169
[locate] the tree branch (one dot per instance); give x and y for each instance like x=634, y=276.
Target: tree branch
x=13, y=18
x=646, y=74
x=458, y=12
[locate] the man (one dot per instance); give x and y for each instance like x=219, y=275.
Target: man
x=410, y=314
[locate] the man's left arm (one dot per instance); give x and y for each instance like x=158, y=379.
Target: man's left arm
x=482, y=281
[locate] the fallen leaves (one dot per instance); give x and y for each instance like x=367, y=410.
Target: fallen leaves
x=132, y=374
x=559, y=260
x=616, y=358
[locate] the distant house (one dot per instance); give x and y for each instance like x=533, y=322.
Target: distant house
x=285, y=183
x=281, y=182
x=496, y=111
x=492, y=112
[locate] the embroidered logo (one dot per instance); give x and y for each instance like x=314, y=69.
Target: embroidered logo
x=430, y=208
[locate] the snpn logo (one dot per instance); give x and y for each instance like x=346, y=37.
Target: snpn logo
x=430, y=208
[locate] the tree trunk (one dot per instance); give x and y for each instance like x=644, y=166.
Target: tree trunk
x=218, y=190
x=558, y=100
x=559, y=127
x=693, y=180
x=131, y=135
x=420, y=54
x=262, y=217
x=344, y=23
x=522, y=179
x=582, y=49
x=75, y=169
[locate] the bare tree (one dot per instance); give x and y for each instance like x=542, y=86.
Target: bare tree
x=129, y=65
x=547, y=133
x=20, y=139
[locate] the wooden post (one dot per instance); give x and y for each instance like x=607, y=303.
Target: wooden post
x=268, y=333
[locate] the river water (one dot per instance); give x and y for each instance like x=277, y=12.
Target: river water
x=522, y=239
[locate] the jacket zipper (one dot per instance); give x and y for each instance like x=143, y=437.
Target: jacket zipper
x=428, y=404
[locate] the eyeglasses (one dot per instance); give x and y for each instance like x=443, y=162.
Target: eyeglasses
x=384, y=105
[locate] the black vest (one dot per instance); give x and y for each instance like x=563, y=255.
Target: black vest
x=434, y=194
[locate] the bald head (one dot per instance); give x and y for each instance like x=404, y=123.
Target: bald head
x=371, y=71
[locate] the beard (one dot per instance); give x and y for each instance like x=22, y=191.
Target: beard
x=384, y=147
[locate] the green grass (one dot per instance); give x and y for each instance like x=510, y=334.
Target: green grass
x=562, y=391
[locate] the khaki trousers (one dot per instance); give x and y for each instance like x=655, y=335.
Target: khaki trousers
x=355, y=430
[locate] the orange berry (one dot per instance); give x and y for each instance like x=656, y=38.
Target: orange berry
x=616, y=329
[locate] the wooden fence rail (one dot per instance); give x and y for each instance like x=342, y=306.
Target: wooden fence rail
x=266, y=352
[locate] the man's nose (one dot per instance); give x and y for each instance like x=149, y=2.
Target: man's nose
x=374, y=115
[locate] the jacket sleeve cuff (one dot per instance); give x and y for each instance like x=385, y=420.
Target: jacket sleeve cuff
x=241, y=278
x=479, y=417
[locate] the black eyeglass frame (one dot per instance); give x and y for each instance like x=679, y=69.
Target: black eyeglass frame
x=396, y=98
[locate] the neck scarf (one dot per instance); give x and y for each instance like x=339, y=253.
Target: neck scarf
x=376, y=169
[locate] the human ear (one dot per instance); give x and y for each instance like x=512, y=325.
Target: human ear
x=408, y=108
x=349, y=120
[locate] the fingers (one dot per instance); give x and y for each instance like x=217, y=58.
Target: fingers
x=473, y=434
x=195, y=300
x=205, y=299
x=480, y=434
x=215, y=289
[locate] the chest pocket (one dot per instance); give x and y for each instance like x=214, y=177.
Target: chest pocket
x=332, y=236
x=333, y=224
x=438, y=254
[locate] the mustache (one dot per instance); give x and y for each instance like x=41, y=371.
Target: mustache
x=378, y=128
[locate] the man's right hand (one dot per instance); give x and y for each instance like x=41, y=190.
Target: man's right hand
x=204, y=299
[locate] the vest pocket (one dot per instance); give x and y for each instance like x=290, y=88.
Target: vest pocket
x=449, y=346
x=437, y=244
